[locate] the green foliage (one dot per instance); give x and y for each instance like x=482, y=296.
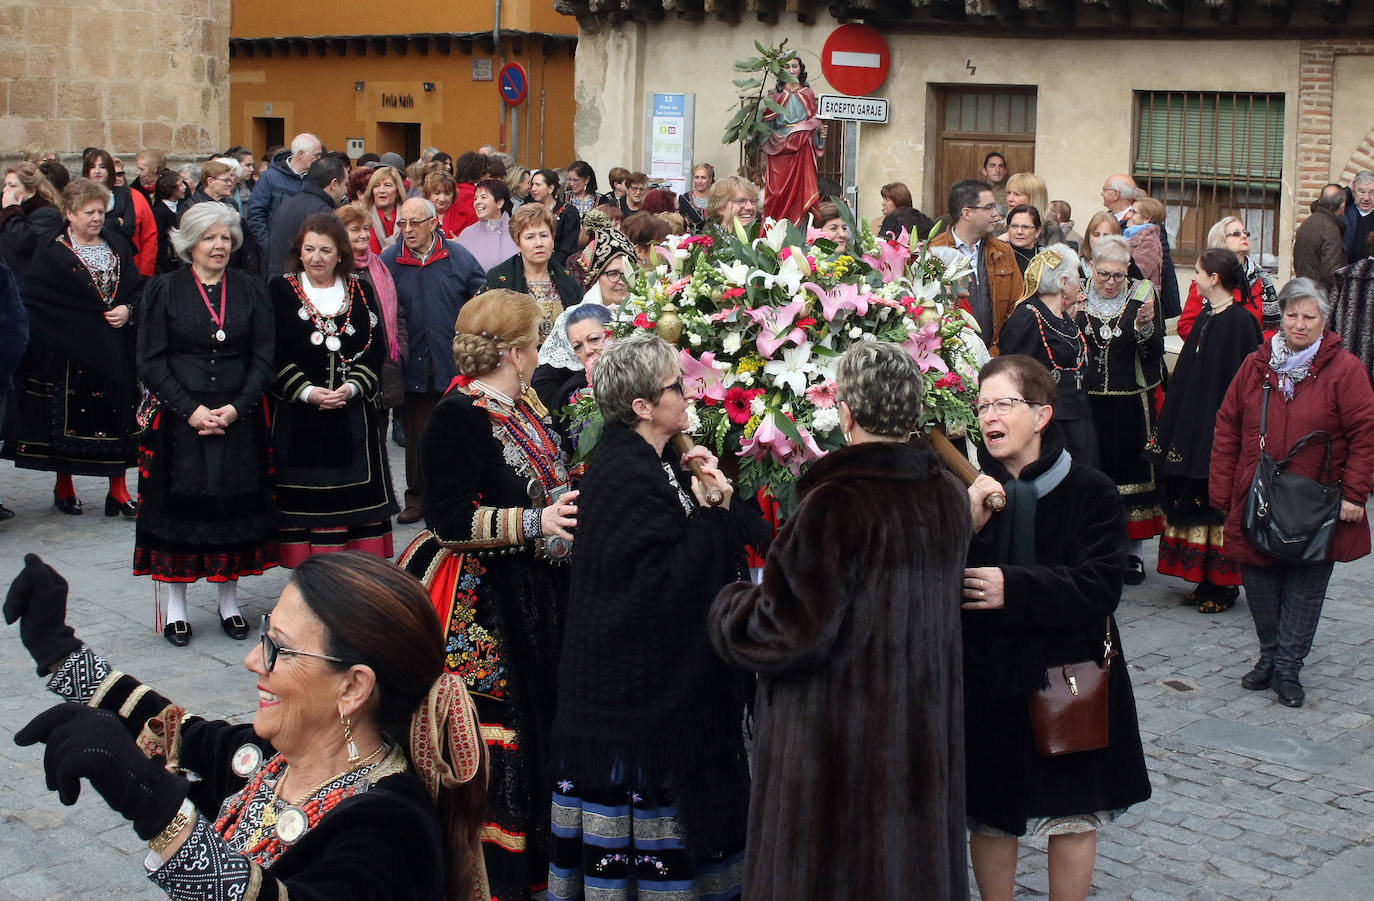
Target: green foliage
x=750, y=125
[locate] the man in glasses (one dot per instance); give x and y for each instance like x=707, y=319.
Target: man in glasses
x=1318, y=244
x=434, y=278
x=1359, y=214
x=996, y=281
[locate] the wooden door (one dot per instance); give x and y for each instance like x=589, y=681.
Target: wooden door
x=973, y=122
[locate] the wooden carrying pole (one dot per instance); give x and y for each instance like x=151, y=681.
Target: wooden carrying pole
x=682, y=443
x=966, y=471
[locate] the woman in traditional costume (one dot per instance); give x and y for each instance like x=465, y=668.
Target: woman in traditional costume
x=362, y=775
x=333, y=481
x=76, y=385
x=498, y=514
x=205, y=346
x=1224, y=334
x=1123, y=324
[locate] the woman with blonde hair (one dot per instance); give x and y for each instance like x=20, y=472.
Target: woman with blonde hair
x=1257, y=294
x=1029, y=188
x=382, y=200
x=691, y=205
x=493, y=557
x=31, y=209
x=732, y=199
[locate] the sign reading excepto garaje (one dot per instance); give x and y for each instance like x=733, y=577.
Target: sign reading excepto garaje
x=853, y=109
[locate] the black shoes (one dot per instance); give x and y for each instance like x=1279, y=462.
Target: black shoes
x=1258, y=678
x=178, y=633
x=1289, y=690
x=114, y=507
x=235, y=627
x=68, y=505
x=1135, y=571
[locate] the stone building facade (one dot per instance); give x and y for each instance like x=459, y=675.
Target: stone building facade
x=127, y=75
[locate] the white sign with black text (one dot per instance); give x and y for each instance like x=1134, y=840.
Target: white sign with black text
x=853, y=109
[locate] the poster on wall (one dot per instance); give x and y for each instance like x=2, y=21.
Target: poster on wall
x=668, y=144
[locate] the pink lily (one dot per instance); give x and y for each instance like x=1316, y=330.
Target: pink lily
x=844, y=297
x=676, y=287
x=893, y=256
x=767, y=440
x=777, y=328
x=700, y=377
x=725, y=314
x=810, y=452
x=924, y=346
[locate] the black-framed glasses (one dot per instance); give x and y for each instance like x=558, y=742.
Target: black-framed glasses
x=1110, y=276
x=271, y=650
x=674, y=386
x=616, y=274
x=406, y=223
x=1002, y=405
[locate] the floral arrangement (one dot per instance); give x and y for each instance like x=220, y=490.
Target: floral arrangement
x=761, y=321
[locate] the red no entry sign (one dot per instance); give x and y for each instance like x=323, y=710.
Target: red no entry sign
x=854, y=59
x=514, y=82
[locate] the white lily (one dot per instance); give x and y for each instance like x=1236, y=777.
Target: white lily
x=789, y=275
x=736, y=274
x=774, y=236
x=791, y=371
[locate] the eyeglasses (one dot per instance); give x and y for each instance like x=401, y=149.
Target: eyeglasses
x=987, y=207
x=638, y=189
x=675, y=386
x=226, y=178
x=1237, y=234
x=616, y=274
x=1021, y=228
x=1110, y=276
x=407, y=223
x=1002, y=405
x=271, y=650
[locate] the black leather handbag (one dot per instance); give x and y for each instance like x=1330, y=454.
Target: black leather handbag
x=1287, y=516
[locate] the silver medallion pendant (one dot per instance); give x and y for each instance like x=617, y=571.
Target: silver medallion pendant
x=303, y=313
x=333, y=343
x=246, y=760
x=348, y=328
x=372, y=318
x=1054, y=374
x=219, y=335
x=1105, y=331
x=317, y=338
x=1116, y=331
x=291, y=825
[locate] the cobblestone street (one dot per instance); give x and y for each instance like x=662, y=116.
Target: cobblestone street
x=1252, y=800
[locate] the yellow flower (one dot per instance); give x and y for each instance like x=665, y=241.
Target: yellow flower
x=750, y=363
x=751, y=426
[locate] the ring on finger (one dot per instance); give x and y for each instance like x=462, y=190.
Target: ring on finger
x=982, y=593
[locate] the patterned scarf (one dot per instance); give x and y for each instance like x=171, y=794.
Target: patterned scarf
x=385, y=287
x=1291, y=366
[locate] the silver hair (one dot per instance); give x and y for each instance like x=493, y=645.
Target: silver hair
x=881, y=385
x=1125, y=187
x=430, y=212
x=199, y=219
x=232, y=164
x=1216, y=235
x=303, y=142
x=1305, y=289
x=1363, y=177
x=631, y=368
x=1111, y=249
x=428, y=153
x=1067, y=270
x=190, y=172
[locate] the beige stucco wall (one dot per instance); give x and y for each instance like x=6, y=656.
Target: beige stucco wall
x=141, y=73
x=1084, y=96
x=1352, y=108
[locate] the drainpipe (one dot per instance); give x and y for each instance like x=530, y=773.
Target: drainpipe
x=496, y=47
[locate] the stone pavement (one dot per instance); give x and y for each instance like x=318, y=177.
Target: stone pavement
x=1251, y=800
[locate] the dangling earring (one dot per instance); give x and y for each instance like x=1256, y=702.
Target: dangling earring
x=349, y=743
x=847, y=439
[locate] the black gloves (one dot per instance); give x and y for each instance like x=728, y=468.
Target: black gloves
x=38, y=597
x=84, y=741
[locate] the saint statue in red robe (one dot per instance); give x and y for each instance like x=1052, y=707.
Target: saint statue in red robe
x=792, y=150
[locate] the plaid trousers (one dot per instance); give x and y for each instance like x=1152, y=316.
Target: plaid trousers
x=1286, y=603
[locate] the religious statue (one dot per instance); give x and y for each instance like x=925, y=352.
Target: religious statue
x=791, y=151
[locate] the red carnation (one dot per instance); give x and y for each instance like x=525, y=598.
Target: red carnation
x=805, y=322
x=950, y=380
x=642, y=321
x=737, y=402
x=732, y=293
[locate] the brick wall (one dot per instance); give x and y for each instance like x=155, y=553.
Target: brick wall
x=1317, y=63
x=128, y=75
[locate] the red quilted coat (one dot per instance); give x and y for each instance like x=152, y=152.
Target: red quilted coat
x=1335, y=396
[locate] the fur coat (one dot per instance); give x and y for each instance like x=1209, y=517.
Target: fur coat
x=854, y=631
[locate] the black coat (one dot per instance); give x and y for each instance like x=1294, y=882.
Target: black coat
x=567, y=234
x=287, y=222
x=21, y=226
x=858, y=735
x=639, y=688
x=1056, y=612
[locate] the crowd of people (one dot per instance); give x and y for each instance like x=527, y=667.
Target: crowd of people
x=499, y=716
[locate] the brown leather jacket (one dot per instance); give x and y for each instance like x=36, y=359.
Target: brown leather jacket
x=1004, y=279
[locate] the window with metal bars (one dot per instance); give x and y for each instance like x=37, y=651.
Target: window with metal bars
x=1207, y=155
